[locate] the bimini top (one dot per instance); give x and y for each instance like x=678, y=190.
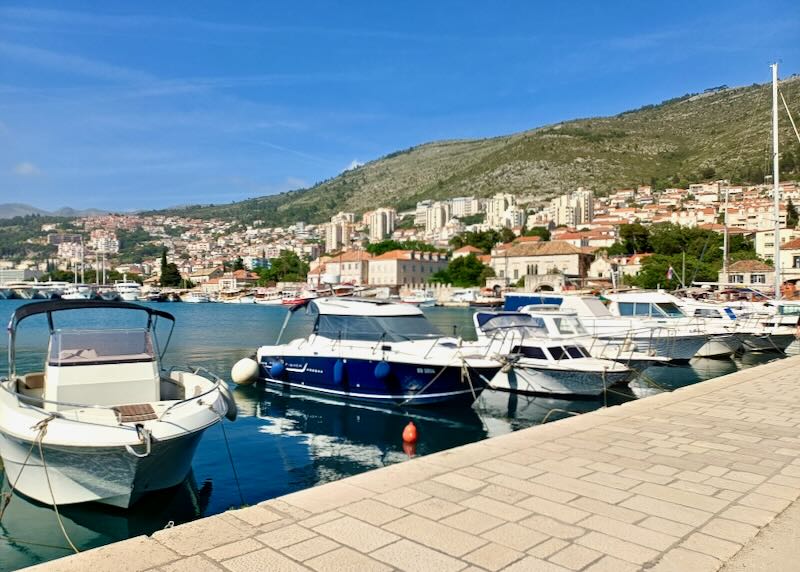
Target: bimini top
x=355, y=307
x=58, y=305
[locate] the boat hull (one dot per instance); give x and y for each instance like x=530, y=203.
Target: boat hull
x=356, y=379
x=675, y=348
x=767, y=342
x=108, y=475
x=720, y=346
x=547, y=381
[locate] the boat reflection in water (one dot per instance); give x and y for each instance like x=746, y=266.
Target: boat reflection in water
x=667, y=378
x=32, y=535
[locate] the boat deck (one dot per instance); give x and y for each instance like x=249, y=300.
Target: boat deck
x=679, y=481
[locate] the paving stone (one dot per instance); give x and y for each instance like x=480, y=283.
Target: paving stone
x=510, y=469
x=285, y=536
x=441, y=490
x=552, y=527
x=402, y=497
x=133, y=555
x=628, y=551
x=373, y=512
x=716, y=547
x=321, y=518
x=493, y=556
x=496, y=508
x=199, y=535
x=693, y=487
x=472, y=521
x=435, y=535
x=560, y=511
x=413, y=557
x=515, y=536
x=730, y=530
x=234, y=549
x=665, y=509
x=255, y=515
x=748, y=515
x=356, y=534
x=611, y=564
x=683, y=560
x=460, y=482
x=605, y=509
x=435, y=508
x=503, y=494
x=779, y=491
x=194, y=563
x=530, y=564
x=647, y=476
x=680, y=497
x=614, y=481
x=631, y=532
x=536, y=489
x=765, y=502
x=666, y=526
x=575, y=557
x=345, y=560
x=310, y=548
x=582, y=488
x=324, y=498
x=548, y=548
x=263, y=559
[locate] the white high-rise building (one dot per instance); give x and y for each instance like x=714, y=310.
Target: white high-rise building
x=496, y=208
x=381, y=223
x=573, y=209
x=421, y=214
x=437, y=216
x=464, y=206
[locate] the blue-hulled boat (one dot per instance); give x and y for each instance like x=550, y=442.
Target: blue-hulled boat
x=377, y=351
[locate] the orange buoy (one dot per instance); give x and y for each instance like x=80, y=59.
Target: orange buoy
x=410, y=449
x=410, y=433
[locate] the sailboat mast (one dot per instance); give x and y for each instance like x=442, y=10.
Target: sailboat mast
x=775, y=182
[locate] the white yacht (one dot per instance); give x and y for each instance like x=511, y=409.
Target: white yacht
x=420, y=298
x=540, y=362
x=77, y=292
x=101, y=421
x=128, y=290
x=195, y=298
x=376, y=351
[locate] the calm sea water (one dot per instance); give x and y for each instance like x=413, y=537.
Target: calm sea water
x=281, y=443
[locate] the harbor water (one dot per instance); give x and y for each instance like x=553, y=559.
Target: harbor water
x=282, y=443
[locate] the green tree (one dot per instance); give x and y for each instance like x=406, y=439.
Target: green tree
x=540, y=231
x=791, y=214
x=384, y=246
x=485, y=240
x=635, y=238
x=288, y=267
x=464, y=271
x=170, y=275
x=238, y=264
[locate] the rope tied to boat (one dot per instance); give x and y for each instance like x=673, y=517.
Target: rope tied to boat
x=146, y=437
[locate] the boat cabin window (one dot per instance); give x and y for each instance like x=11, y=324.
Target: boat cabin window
x=707, y=313
x=567, y=352
x=93, y=347
x=529, y=326
x=667, y=309
x=568, y=325
x=375, y=328
x=789, y=309
x=529, y=351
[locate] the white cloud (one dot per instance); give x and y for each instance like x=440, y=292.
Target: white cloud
x=354, y=164
x=26, y=169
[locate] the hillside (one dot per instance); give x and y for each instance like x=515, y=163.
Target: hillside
x=720, y=134
x=12, y=210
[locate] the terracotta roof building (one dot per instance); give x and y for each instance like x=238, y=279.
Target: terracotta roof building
x=538, y=258
x=398, y=267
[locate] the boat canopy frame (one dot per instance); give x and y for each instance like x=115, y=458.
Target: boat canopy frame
x=49, y=307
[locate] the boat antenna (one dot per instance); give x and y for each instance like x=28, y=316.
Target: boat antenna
x=776, y=182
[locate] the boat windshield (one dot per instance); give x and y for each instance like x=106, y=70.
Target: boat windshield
x=568, y=325
x=529, y=326
x=670, y=309
x=567, y=352
x=375, y=328
x=93, y=347
x=789, y=309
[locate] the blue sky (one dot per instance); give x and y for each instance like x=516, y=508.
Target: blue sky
x=149, y=104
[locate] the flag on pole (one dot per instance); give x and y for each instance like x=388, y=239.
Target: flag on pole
x=670, y=273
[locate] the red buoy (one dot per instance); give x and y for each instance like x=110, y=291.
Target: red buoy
x=410, y=449
x=410, y=433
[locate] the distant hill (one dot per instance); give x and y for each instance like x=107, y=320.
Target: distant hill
x=11, y=210
x=721, y=133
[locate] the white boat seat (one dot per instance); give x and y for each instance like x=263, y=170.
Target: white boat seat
x=33, y=380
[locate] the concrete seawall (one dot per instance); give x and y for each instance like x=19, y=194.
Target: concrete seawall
x=679, y=481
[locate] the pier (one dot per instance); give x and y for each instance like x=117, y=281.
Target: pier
x=700, y=479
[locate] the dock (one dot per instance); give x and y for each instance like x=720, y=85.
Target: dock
x=704, y=478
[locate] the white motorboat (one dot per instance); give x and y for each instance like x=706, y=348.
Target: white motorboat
x=128, y=290
x=195, y=298
x=101, y=421
x=77, y=292
x=376, y=351
x=540, y=363
x=420, y=298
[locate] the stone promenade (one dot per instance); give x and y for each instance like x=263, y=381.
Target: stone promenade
x=676, y=482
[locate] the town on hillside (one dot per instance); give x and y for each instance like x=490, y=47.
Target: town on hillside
x=712, y=233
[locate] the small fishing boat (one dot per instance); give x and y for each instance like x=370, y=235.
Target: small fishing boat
x=102, y=421
x=375, y=351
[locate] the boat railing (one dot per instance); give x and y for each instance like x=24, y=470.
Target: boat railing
x=195, y=370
